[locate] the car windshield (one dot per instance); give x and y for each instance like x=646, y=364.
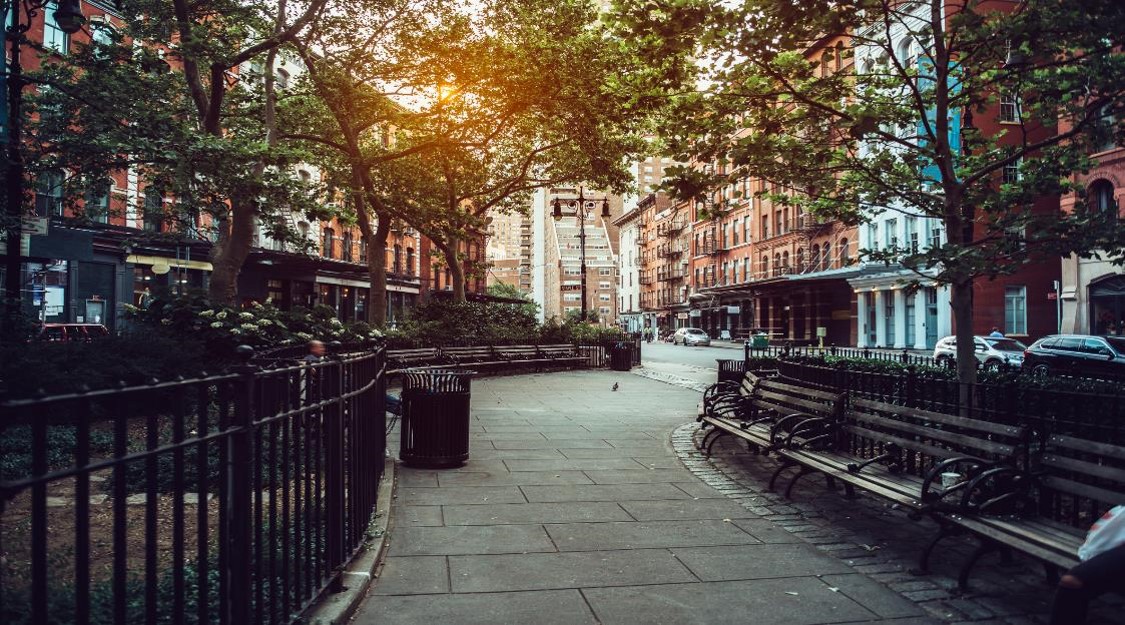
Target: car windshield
x=1006, y=345
x=695, y=331
x=1117, y=343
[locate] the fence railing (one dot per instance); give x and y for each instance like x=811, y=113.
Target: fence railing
x=1048, y=411
x=888, y=355
x=229, y=499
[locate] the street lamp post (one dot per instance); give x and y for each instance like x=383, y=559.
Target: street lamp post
x=582, y=207
x=68, y=17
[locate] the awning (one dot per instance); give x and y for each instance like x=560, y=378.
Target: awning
x=181, y=263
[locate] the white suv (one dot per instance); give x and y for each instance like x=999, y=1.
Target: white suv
x=991, y=351
x=690, y=336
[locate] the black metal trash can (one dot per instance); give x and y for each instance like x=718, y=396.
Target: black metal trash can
x=435, y=418
x=620, y=357
x=731, y=370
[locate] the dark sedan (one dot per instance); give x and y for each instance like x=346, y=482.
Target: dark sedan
x=1077, y=354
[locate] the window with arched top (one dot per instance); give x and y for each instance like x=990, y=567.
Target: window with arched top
x=347, y=247
x=814, y=258
x=839, y=55
x=825, y=59
x=800, y=259
x=398, y=259
x=776, y=263
x=154, y=209
x=1100, y=197
x=409, y=261
x=843, y=255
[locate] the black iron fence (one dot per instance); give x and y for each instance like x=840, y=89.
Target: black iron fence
x=228, y=499
x=1048, y=411
x=885, y=355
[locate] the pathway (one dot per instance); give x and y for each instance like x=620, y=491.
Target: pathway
x=575, y=510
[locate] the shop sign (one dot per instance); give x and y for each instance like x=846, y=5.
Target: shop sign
x=733, y=310
x=682, y=315
x=695, y=313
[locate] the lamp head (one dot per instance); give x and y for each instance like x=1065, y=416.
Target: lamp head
x=68, y=15
x=605, y=207
x=1016, y=60
x=557, y=209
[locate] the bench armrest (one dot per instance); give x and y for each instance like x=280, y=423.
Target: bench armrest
x=783, y=426
x=1016, y=494
x=930, y=493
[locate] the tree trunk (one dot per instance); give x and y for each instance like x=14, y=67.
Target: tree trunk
x=229, y=254
x=376, y=240
x=962, y=305
x=449, y=251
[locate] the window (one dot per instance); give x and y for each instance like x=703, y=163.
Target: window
x=1104, y=128
x=97, y=202
x=409, y=269
x=765, y=227
x=102, y=34
x=873, y=235
x=935, y=234
x=281, y=77
x=891, y=234
x=912, y=234
x=49, y=194
x=154, y=210
x=603, y=297
x=572, y=297
x=397, y=259
x=347, y=251
x=54, y=38
x=814, y=258
x=1100, y=198
x=839, y=55
x=329, y=238
x=844, y=259
x=362, y=250
x=605, y=271
x=1015, y=310
x=1012, y=172
x=777, y=222
x=889, y=317
x=1009, y=107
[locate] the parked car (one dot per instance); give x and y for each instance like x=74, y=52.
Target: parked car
x=990, y=351
x=71, y=332
x=690, y=336
x=1077, y=354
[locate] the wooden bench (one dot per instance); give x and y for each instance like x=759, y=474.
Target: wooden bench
x=1076, y=478
x=518, y=353
x=469, y=355
x=899, y=453
x=406, y=358
x=768, y=412
x=561, y=354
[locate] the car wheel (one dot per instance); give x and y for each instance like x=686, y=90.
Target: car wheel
x=1041, y=369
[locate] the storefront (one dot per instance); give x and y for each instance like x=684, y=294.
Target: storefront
x=1107, y=305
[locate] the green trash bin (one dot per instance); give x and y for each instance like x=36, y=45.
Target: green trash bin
x=760, y=340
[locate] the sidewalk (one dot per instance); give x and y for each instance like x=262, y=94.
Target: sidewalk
x=575, y=510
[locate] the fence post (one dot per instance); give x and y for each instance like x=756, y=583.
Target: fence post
x=910, y=390
x=240, y=474
x=746, y=356
x=832, y=350
x=334, y=471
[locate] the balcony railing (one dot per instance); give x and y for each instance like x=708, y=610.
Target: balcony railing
x=669, y=228
x=669, y=249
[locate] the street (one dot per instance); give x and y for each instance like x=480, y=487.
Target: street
x=665, y=353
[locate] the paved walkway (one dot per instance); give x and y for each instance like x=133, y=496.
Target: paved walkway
x=575, y=510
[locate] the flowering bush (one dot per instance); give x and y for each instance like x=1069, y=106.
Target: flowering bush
x=222, y=329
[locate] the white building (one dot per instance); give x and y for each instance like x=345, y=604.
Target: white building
x=629, y=270
x=899, y=307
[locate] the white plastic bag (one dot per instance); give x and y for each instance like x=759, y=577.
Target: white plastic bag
x=1105, y=534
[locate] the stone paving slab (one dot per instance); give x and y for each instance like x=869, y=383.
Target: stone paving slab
x=648, y=535
x=417, y=575
x=568, y=443
x=558, y=607
x=514, y=478
x=685, y=510
x=466, y=539
x=535, y=513
x=498, y=455
x=602, y=492
x=791, y=601
x=417, y=516
x=631, y=476
x=568, y=464
x=615, y=452
x=543, y=571
x=474, y=494
x=721, y=564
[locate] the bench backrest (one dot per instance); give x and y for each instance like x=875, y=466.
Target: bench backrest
x=413, y=355
x=869, y=427
x=558, y=350
x=467, y=352
x=1080, y=478
x=517, y=350
x=787, y=398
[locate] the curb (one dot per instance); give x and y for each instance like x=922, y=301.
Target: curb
x=359, y=573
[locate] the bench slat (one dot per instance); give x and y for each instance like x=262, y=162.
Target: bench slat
x=938, y=417
x=905, y=443
x=953, y=438
x=793, y=389
x=1088, y=446
x=1086, y=468
x=1085, y=490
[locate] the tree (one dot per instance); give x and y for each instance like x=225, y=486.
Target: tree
x=896, y=133
x=210, y=143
